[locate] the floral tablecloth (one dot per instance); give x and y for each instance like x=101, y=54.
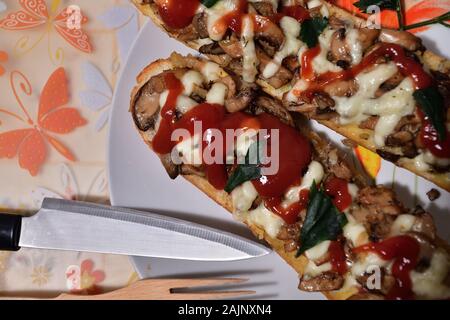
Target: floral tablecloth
x=59, y=63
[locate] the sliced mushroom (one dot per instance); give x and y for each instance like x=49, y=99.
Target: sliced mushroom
x=172, y=169
x=275, y=108
x=338, y=48
x=269, y=31
x=389, y=84
x=200, y=23
x=241, y=100
x=232, y=47
x=281, y=77
x=323, y=102
x=342, y=88
x=211, y=48
x=264, y=8
x=402, y=38
x=367, y=37
x=145, y=106
x=424, y=224
x=327, y=281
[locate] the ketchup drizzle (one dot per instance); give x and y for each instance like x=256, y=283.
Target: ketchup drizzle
x=177, y=14
x=338, y=190
x=294, y=150
x=337, y=257
x=404, y=250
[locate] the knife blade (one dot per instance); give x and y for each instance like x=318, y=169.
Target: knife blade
x=82, y=226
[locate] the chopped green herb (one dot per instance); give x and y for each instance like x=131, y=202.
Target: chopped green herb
x=311, y=30
x=249, y=170
x=431, y=103
x=209, y=3
x=323, y=220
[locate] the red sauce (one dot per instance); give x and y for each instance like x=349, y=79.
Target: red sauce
x=294, y=149
x=289, y=214
x=407, y=66
x=404, y=250
x=297, y=12
x=177, y=14
x=337, y=257
x=233, y=19
x=338, y=190
x=306, y=63
x=430, y=139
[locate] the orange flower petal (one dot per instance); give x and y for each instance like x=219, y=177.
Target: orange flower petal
x=370, y=161
x=3, y=56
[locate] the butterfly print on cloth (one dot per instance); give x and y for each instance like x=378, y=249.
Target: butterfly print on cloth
x=30, y=144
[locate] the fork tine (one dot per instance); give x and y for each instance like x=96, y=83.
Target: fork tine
x=192, y=283
x=210, y=295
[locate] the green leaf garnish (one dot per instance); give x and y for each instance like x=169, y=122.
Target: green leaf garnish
x=431, y=103
x=249, y=170
x=323, y=220
x=209, y=3
x=383, y=4
x=311, y=30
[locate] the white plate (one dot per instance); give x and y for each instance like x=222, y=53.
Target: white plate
x=138, y=180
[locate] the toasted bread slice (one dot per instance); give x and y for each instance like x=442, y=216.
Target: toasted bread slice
x=409, y=156
x=146, y=108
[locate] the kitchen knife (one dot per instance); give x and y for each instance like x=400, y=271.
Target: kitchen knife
x=81, y=226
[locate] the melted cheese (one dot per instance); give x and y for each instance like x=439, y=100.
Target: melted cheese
x=367, y=263
x=429, y=284
x=354, y=45
x=217, y=93
x=316, y=3
x=291, y=46
x=249, y=59
x=320, y=63
x=315, y=173
x=184, y=103
x=313, y=270
x=355, y=232
x=264, y=218
x=425, y=160
x=215, y=30
x=191, y=79
x=390, y=107
x=189, y=150
x=403, y=224
x=211, y=71
x=243, y=196
x=318, y=250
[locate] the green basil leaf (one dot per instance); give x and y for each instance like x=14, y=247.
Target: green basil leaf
x=323, y=220
x=383, y=4
x=431, y=103
x=249, y=170
x=242, y=174
x=208, y=3
x=311, y=30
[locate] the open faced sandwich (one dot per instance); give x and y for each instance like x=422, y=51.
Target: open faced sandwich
x=380, y=88
x=344, y=237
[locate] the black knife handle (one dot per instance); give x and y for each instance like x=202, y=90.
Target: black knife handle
x=10, y=225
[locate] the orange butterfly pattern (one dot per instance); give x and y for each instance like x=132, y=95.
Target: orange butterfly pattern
x=35, y=13
x=30, y=144
x=416, y=11
x=3, y=58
